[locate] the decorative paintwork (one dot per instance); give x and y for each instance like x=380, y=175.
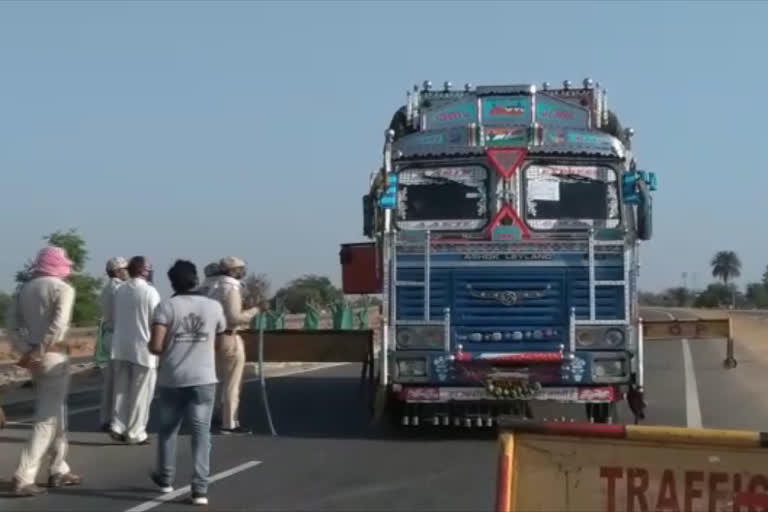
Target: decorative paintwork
x=506, y=161
x=555, y=112
x=453, y=114
x=508, y=297
x=425, y=138
x=507, y=110
x=507, y=212
x=585, y=138
x=506, y=233
x=506, y=136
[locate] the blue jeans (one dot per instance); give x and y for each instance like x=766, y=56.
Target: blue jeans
x=196, y=404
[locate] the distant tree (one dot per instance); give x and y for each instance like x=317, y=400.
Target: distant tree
x=726, y=265
x=309, y=288
x=715, y=295
x=257, y=290
x=366, y=301
x=757, y=295
x=5, y=301
x=87, y=309
x=679, y=296
x=765, y=277
x=650, y=299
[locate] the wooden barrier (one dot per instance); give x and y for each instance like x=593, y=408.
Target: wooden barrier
x=690, y=329
x=701, y=328
x=320, y=346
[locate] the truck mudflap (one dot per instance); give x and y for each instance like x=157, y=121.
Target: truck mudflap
x=618, y=468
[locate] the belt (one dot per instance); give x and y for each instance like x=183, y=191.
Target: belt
x=230, y=332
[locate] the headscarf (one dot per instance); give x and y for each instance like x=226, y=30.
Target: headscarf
x=53, y=261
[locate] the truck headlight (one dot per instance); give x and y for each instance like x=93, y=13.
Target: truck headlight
x=585, y=338
x=599, y=337
x=412, y=367
x=608, y=369
x=614, y=338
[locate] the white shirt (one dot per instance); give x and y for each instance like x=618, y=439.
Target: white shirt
x=108, y=300
x=134, y=304
x=40, y=313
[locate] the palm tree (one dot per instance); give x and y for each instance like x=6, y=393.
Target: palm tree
x=725, y=266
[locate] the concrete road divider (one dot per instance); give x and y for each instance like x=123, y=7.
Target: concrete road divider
x=617, y=468
x=701, y=328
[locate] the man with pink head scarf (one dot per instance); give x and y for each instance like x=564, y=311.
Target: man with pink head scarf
x=38, y=320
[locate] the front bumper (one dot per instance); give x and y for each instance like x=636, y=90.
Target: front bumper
x=447, y=394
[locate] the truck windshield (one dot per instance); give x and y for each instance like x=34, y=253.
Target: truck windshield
x=443, y=198
x=571, y=197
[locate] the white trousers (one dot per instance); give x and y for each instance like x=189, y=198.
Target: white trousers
x=107, y=394
x=108, y=391
x=49, y=436
x=134, y=390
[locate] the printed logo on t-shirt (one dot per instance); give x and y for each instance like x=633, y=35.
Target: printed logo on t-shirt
x=192, y=329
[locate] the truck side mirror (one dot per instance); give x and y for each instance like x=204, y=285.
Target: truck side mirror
x=644, y=211
x=368, y=211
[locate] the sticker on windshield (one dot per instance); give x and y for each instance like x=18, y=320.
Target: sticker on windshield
x=544, y=190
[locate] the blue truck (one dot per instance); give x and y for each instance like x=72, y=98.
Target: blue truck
x=504, y=229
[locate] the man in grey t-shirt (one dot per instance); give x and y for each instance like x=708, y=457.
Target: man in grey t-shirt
x=184, y=331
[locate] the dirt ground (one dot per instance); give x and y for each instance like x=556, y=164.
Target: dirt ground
x=83, y=340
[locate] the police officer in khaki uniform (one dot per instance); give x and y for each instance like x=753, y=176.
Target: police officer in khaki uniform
x=230, y=357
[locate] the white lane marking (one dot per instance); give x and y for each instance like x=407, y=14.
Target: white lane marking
x=82, y=410
x=670, y=315
x=186, y=489
x=692, y=407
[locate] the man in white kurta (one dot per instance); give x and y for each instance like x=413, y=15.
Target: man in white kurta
x=134, y=366
x=117, y=272
x=37, y=322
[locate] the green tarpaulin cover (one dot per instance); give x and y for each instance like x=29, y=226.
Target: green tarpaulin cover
x=275, y=321
x=101, y=353
x=312, y=317
x=361, y=318
x=342, y=315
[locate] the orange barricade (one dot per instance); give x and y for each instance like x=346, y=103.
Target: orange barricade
x=615, y=468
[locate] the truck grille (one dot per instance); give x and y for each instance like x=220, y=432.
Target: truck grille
x=533, y=323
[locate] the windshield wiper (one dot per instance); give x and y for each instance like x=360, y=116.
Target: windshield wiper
x=579, y=177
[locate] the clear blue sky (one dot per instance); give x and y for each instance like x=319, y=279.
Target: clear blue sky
x=196, y=129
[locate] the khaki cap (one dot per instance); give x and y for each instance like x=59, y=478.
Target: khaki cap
x=116, y=263
x=230, y=263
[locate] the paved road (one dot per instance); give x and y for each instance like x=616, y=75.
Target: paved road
x=328, y=458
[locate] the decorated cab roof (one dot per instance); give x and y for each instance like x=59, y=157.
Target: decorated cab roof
x=565, y=121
